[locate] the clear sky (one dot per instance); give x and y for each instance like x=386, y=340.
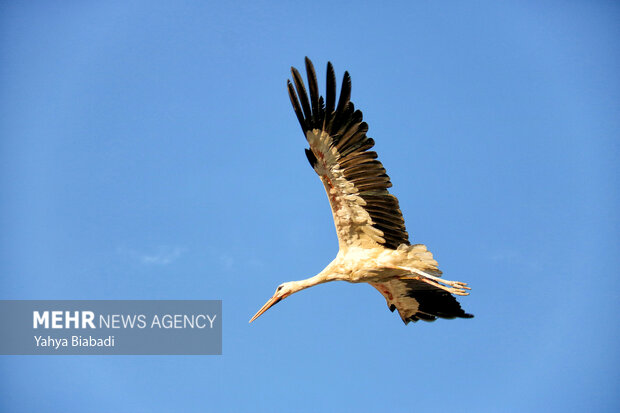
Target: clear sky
x=148, y=150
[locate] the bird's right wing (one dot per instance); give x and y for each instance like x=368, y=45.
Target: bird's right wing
x=416, y=300
x=365, y=213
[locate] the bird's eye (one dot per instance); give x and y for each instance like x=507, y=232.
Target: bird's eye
x=279, y=288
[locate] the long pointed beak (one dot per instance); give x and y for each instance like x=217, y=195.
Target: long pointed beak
x=273, y=300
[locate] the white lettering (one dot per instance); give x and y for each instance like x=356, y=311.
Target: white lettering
x=87, y=318
x=51, y=342
x=38, y=319
x=69, y=319
x=90, y=341
x=182, y=321
x=56, y=319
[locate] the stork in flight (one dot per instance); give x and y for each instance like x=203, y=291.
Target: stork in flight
x=373, y=243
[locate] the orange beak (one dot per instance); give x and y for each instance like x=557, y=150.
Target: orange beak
x=273, y=300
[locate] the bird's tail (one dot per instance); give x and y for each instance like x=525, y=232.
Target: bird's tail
x=420, y=257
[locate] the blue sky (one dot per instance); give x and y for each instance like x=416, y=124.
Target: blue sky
x=149, y=151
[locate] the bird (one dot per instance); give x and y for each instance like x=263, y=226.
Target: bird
x=374, y=245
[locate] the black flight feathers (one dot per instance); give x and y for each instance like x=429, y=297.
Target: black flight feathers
x=347, y=130
x=314, y=113
x=433, y=303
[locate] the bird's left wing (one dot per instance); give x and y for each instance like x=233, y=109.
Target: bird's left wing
x=365, y=213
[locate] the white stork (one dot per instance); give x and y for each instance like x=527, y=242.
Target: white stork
x=374, y=245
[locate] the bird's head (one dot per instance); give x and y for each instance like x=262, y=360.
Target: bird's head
x=283, y=291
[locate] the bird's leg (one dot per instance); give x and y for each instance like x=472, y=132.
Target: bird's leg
x=453, y=287
x=451, y=290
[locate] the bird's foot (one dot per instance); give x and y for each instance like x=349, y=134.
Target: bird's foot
x=453, y=287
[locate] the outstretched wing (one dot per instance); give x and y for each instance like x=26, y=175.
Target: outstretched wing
x=365, y=213
x=417, y=300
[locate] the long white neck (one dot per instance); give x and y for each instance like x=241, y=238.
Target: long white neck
x=327, y=275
